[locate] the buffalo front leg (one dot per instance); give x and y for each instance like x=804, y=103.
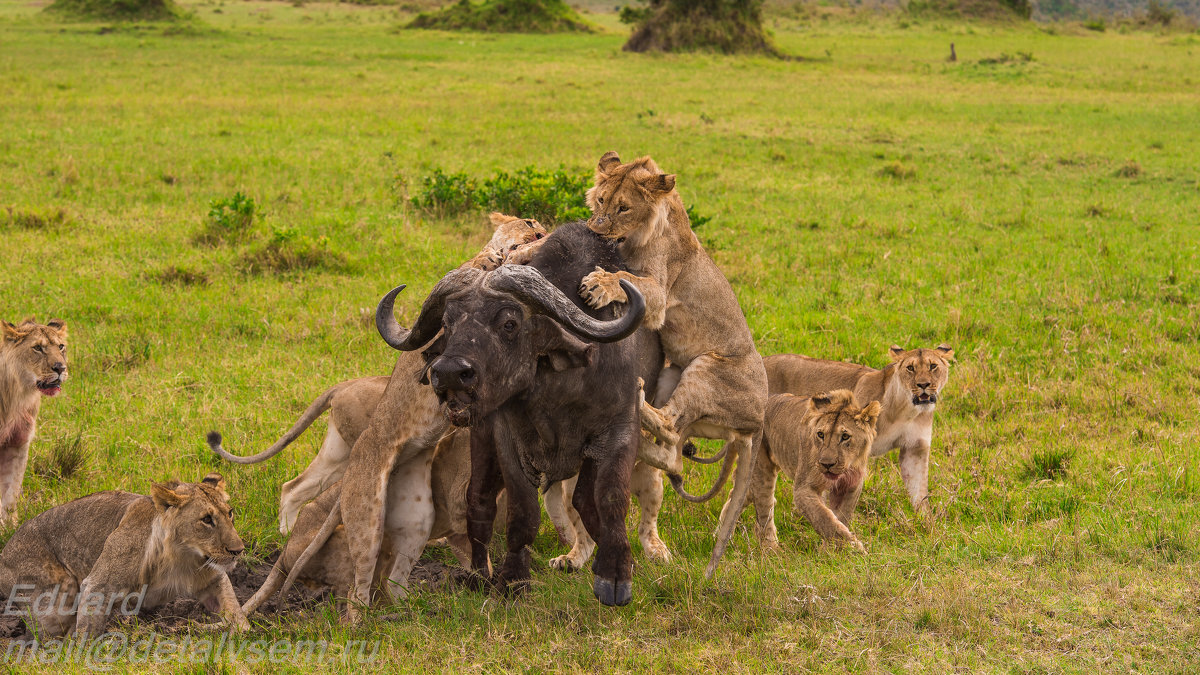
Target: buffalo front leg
x=524, y=516
x=914, y=469
x=486, y=483
x=603, y=504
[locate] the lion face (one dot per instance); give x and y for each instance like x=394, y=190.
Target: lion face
x=627, y=197
x=41, y=349
x=197, y=522
x=922, y=372
x=840, y=435
x=513, y=233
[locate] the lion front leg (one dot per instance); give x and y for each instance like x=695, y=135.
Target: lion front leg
x=602, y=288
x=914, y=470
x=219, y=598
x=809, y=504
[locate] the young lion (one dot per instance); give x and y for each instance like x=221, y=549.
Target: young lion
x=722, y=390
x=908, y=388
x=821, y=443
x=33, y=364
x=101, y=553
x=511, y=234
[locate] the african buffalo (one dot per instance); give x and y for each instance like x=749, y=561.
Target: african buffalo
x=549, y=389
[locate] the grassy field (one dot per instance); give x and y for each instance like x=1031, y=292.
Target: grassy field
x=1033, y=204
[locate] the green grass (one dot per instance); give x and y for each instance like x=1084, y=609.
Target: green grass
x=874, y=195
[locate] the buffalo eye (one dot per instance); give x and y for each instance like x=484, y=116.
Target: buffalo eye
x=207, y=520
x=821, y=435
x=932, y=367
x=510, y=325
x=845, y=437
x=911, y=369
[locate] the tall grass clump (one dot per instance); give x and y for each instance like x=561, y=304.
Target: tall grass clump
x=722, y=26
x=229, y=220
x=505, y=16
x=116, y=10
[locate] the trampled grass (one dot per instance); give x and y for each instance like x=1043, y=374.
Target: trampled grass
x=874, y=194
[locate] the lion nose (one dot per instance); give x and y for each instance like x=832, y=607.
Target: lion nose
x=236, y=551
x=924, y=385
x=59, y=368
x=828, y=465
x=454, y=372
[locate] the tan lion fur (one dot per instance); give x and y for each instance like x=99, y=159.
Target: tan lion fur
x=821, y=443
x=511, y=234
x=722, y=387
x=329, y=564
x=178, y=542
x=903, y=423
x=32, y=355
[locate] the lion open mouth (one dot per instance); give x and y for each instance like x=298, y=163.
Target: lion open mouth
x=832, y=476
x=50, y=387
x=924, y=398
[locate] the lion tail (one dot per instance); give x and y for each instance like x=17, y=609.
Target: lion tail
x=331, y=522
x=315, y=410
x=726, y=470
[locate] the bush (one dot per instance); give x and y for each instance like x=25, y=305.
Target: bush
x=723, y=26
x=972, y=9
x=229, y=220
x=505, y=16
x=116, y=10
x=551, y=197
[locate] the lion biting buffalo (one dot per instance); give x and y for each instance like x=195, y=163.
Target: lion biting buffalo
x=549, y=389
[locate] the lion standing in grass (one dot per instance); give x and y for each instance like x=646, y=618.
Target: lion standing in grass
x=33, y=364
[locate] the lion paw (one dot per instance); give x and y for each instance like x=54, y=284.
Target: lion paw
x=565, y=563
x=655, y=549
x=857, y=546
x=601, y=289
x=659, y=424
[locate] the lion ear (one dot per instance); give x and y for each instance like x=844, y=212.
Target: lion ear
x=869, y=415
x=498, y=218
x=57, y=324
x=947, y=352
x=214, y=479
x=896, y=351
x=819, y=402
x=661, y=183
x=165, y=497
x=11, y=334
x=608, y=162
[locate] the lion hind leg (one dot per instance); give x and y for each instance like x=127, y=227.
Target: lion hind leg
x=325, y=470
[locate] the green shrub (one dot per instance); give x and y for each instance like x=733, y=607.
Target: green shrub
x=116, y=10
x=505, y=16
x=551, y=197
x=229, y=220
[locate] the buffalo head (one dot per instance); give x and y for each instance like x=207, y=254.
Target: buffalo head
x=497, y=329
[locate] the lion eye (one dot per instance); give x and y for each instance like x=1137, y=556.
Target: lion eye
x=932, y=367
x=821, y=435
x=62, y=348
x=911, y=369
x=600, y=200
x=231, y=514
x=845, y=436
x=39, y=349
x=622, y=208
x=207, y=520
x=513, y=247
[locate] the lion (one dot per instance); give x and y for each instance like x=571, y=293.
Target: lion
x=908, y=388
x=329, y=563
x=33, y=365
x=121, y=551
x=722, y=387
x=821, y=443
x=511, y=234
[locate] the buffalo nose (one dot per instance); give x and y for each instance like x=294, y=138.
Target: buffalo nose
x=59, y=368
x=452, y=372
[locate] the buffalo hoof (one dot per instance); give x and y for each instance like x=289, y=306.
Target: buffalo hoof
x=476, y=582
x=613, y=594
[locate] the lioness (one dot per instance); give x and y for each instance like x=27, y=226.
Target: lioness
x=511, y=234
x=329, y=563
x=103, y=552
x=722, y=390
x=908, y=388
x=33, y=364
x=821, y=443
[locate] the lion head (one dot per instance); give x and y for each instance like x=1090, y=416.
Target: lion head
x=840, y=435
x=40, y=349
x=513, y=233
x=195, y=526
x=922, y=372
x=627, y=197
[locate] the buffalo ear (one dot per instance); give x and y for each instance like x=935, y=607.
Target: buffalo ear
x=561, y=349
x=434, y=350
x=608, y=162
x=165, y=496
x=896, y=351
x=661, y=183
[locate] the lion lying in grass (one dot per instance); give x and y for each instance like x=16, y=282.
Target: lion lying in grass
x=821, y=443
x=116, y=551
